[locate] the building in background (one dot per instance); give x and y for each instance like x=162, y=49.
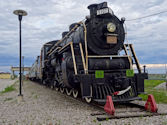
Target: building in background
x=5, y=75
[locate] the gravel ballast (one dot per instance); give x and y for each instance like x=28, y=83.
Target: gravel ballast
x=43, y=106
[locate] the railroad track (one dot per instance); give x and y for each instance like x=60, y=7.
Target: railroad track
x=128, y=110
x=122, y=110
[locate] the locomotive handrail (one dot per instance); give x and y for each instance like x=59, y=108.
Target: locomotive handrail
x=86, y=47
x=83, y=59
x=73, y=29
x=135, y=58
x=103, y=56
x=64, y=46
x=56, y=49
x=73, y=55
x=129, y=57
x=133, y=54
x=85, y=65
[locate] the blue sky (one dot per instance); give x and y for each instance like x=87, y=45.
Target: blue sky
x=46, y=21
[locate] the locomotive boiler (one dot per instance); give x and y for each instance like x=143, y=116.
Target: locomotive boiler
x=88, y=60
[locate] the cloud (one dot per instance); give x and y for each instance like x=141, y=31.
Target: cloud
x=46, y=21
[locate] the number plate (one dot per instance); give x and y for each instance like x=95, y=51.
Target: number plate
x=99, y=74
x=111, y=39
x=104, y=11
x=129, y=73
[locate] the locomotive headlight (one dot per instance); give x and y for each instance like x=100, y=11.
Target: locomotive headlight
x=111, y=27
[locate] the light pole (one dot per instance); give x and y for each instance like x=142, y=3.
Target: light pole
x=22, y=69
x=20, y=14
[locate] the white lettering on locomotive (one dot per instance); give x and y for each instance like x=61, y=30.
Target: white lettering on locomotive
x=104, y=11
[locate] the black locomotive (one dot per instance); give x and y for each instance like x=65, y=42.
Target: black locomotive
x=87, y=61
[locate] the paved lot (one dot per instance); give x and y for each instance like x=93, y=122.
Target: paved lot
x=161, y=86
x=43, y=106
x=5, y=82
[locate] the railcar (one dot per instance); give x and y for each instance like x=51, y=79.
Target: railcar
x=34, y=70
x=92, y=60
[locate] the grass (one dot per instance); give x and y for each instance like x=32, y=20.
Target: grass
x=159, y=95
x=8, y=89
x=164, y=122
x=157, y=76
x=8, y=99
x=152, y=83
x=35, y=96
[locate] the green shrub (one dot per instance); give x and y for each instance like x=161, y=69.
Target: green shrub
x=9, y=89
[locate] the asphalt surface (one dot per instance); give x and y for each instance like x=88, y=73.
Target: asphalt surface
x=5, y=83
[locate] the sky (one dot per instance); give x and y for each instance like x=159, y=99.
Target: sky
x=47, y=19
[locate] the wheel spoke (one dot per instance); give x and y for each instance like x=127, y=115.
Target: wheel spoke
x=75, y=93
x=56, y=88
x=51, y=87
x=61, y=90
x=68, y=91
x=88, y=99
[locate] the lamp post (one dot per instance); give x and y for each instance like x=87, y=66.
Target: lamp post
x=22, y=69
x=20, y=14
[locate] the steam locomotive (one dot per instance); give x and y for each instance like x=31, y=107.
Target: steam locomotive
x=91, y=60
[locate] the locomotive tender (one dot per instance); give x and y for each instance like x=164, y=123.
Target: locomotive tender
x=87, y=61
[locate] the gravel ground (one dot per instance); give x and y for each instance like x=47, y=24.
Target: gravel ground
x=5, y=82
x=42, y=105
